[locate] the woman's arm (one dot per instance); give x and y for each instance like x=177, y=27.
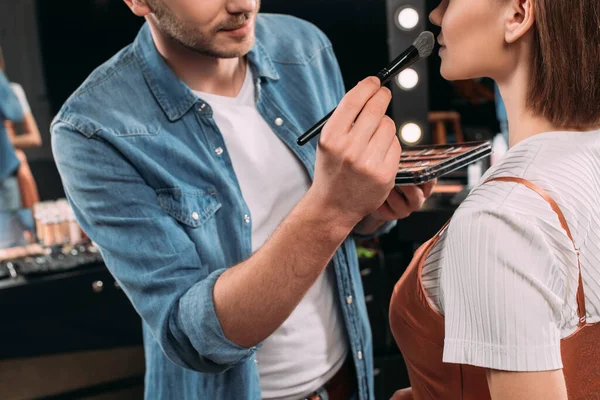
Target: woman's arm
x=29, y=133
x=549, y=385
x=403, y=394
x=27, y=184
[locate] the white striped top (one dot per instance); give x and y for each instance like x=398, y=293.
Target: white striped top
x=504, y=273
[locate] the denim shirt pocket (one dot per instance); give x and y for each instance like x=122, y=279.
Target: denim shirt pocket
x=191, y=208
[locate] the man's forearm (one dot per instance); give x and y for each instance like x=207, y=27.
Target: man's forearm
x=255, y=297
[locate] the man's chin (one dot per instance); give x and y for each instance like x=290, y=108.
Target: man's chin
x=235, y=50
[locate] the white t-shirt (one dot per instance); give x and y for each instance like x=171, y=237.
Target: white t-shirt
x=20, y=93
x=311, y=346
x=504, y=273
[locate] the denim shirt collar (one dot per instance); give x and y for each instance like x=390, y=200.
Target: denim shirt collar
x=173, y=95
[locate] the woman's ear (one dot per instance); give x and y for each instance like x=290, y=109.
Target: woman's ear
x=520, y=18
x=139, y=7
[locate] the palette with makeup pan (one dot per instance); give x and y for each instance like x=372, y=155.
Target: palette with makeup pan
x=421, y=164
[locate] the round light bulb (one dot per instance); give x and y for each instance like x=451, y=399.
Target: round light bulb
x=408, y=79
x=408, y=18
x=411, y=133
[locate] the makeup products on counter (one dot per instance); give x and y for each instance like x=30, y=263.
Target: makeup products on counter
x=55, y=224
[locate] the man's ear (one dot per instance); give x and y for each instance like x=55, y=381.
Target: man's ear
x=139, y=7
x=520, y=18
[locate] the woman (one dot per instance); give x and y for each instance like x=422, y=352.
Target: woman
x=26, y=134
x=505, y=302
x=23, y=135
x=9, y=163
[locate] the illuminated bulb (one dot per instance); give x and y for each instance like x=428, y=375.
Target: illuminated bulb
x=408, y=79
x=408, y=18
x=411, y=133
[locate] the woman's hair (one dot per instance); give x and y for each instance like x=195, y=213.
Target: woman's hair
x=565, y=81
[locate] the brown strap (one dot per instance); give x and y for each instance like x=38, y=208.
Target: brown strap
x=437, y=236
x=563, y=222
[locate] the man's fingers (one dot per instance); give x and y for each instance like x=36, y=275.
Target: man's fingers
x=399, y=204
x=371, y=116
x=428, y=188
x=351, y=105
x=381, y=141
x=414, y=196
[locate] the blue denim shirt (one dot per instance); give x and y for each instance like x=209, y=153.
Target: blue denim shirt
x=11, y=110
x=137, y=153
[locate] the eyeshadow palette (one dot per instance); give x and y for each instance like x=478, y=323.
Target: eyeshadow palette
x=421, y=164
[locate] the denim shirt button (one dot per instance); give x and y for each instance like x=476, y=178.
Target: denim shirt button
x=278, y=122
x=359, y=355
x=195, y=216
x=202, y=107
x=349, y=300
x=247, y=219
x=219, y=151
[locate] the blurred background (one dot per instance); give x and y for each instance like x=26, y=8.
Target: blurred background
x=68, y=331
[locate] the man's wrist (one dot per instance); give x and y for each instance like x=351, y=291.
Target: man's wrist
x=328, y=217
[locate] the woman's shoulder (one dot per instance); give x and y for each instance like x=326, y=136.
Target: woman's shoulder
x=552, y=160
x=566, y=166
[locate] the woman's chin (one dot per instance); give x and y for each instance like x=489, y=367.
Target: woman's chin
x=453, y=74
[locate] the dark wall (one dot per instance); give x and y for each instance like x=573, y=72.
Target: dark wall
x=79, y=35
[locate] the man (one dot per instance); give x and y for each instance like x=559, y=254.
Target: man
x=180, y=160
x=10, y=110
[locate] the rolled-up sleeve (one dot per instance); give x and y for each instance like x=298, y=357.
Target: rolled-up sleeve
x=148, y=252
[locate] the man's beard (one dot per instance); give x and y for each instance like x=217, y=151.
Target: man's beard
x=191, y=37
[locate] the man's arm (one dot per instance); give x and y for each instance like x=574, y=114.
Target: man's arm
x=160, y=270
x=354, y=172
x=549, y=385
x=211, y=320
x=9, y=104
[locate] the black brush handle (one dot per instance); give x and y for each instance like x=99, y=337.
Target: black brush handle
x=404, y=60
x=315, y=130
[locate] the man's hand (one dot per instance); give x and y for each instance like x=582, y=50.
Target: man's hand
x=357, y=157
x=402, y=201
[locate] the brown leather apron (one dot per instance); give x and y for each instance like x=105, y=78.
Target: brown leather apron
x=419, y=333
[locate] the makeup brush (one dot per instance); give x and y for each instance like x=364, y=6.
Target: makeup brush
x=421, y=48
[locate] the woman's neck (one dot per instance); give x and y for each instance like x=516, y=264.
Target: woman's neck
x=522, y=122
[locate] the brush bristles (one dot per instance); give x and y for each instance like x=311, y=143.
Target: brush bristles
x=424, y=44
